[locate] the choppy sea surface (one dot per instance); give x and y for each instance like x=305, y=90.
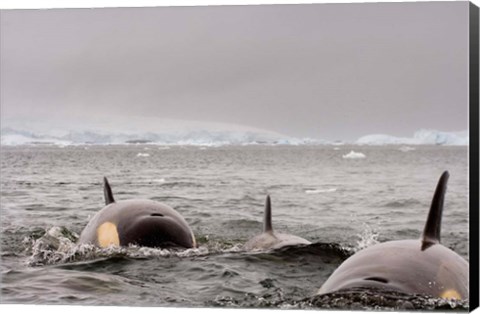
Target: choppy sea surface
x=341, y=198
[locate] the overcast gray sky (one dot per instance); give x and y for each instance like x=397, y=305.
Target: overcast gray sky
x=326, y=71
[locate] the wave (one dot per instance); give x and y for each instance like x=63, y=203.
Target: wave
x=406, y=149
x=351, y=299
x=318, y=191
x=401, y=203
x=58, y=245
x=355, y=299
x=380, y=299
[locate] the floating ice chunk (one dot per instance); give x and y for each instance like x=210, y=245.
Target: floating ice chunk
x=354, y=155
x=143, y=155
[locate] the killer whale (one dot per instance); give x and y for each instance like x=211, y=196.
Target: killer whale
x=421, y=266
x=139, y=221
x=270, y=239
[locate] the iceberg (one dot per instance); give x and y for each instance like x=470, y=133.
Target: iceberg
x=421, y=137
x=354, y=155
x=442, y=138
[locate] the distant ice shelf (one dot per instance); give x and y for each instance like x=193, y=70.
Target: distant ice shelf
x=421, y=137
x=212, y=138
x=207, y=138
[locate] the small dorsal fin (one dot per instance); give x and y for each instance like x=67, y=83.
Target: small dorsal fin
x=107, y=192
x=267, y=218
x=431, y=232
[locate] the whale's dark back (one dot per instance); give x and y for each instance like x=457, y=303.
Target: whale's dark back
x=403, y=266
x=413, y=266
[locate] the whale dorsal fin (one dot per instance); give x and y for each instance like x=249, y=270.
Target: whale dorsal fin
x=431, y=232
x=267, y=218
x=107, y=192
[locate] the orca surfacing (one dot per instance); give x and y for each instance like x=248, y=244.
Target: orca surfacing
x=139, y=222
x=269, y=240
x=421, y=266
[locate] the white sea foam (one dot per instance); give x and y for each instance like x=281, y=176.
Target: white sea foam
x=58, y=246
x=318, y=191
x=143, y=155
x=368, y=237
x=406, y=149
x=354, y=155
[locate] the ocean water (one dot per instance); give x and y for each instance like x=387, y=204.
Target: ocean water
x=340, y=204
